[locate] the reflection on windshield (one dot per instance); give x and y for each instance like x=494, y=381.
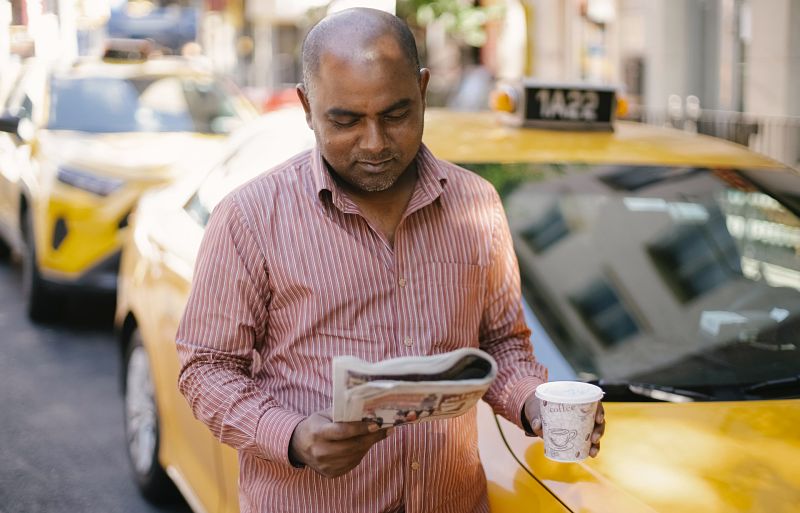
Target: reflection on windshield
x=148, y=104
x=683, y=277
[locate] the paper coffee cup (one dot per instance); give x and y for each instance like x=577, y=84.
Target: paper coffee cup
x=567, y=410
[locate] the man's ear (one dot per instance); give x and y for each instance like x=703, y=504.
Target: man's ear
x=303, y=95
x=424, y=77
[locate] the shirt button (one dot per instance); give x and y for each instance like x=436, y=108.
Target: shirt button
x=408, y=341
x=414, y=465
x=402, y=282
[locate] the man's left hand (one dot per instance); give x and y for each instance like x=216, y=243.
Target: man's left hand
x=535, y=420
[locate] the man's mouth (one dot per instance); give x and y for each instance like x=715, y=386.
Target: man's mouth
x=374, y=165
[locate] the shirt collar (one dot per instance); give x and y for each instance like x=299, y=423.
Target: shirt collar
x=431, y=179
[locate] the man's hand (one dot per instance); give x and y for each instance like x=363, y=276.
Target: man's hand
x=535, y=420
x=333, y=448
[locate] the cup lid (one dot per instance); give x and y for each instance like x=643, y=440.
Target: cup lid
x=570, y=392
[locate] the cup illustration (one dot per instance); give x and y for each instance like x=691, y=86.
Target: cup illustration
x=567, y=409
x=561, y=438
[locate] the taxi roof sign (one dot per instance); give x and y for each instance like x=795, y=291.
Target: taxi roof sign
x=533, y=103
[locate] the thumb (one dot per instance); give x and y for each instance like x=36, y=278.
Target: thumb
x=536, y=426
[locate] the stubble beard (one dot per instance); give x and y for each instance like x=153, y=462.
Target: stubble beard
x=381, y=184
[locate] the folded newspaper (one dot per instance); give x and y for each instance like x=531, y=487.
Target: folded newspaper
x=410, y=389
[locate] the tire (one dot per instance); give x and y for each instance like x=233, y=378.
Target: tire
x=5, y=251
x=40, y=301
x=142, y=431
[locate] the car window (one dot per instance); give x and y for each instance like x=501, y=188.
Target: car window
x=20, y=102
x=145, y=104
x=262, y=151
x=9, y=82
x=676, y=276
x=247, y=161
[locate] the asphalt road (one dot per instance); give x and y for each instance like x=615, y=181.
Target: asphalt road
x=61, y=434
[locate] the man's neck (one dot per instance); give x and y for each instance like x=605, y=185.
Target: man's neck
x=384, y=209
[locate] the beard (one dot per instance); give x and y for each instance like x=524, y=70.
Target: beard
x=364, y=180
x=378, y=183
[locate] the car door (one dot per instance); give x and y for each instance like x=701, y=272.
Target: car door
x=14, y=154
x=189, y=446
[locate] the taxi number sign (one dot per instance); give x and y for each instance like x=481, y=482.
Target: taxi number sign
x=568, y=107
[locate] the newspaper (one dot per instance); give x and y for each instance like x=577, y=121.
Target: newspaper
x=410, y=389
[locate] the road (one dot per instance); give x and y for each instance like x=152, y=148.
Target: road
x=61, y=434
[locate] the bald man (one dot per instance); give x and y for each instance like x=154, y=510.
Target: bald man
x=368, y=246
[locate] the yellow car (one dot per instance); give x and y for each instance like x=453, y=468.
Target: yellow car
x=78, y=148
x=661, y=265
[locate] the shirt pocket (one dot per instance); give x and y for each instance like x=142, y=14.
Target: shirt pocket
x=452, y=303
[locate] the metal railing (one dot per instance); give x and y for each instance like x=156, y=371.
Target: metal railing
x=773, y=136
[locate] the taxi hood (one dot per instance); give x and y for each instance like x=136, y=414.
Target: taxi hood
x=146, y=157
x=665, y=457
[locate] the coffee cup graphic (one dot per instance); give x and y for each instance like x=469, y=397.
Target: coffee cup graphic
x=561, y=438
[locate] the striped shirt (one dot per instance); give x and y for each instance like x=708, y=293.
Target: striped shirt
x=290, y=275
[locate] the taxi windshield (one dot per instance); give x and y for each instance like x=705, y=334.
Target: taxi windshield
x=143, y=104
x=684, y=277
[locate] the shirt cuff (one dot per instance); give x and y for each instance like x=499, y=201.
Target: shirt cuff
x=274, y=433
x=515, y=403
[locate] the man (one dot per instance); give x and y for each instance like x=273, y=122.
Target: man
x=368, y=246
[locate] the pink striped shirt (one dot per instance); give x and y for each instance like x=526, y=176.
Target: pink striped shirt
x=290, y=275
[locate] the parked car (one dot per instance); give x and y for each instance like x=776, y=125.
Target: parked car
x=79, y=145
x=663, y=266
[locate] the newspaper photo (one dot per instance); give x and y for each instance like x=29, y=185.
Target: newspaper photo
x=410, y=389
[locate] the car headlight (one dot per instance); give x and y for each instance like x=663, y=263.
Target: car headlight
x=100, y=185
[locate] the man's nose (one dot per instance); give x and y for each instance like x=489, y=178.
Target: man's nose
x=373, y=139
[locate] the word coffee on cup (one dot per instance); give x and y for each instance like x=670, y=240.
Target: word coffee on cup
x=567, y=409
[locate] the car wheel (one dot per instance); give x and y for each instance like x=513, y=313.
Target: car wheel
x=5, y=250
x=39, y=300
x=142, y=425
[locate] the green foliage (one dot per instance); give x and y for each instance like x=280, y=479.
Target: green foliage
x=461, y=18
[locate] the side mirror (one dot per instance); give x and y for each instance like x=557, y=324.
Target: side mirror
x=21, y=127
x=9, y=124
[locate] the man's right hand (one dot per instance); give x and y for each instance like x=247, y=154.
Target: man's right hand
x=333, y=448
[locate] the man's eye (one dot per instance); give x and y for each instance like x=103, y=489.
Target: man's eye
x=344, y=123
x=397, y=116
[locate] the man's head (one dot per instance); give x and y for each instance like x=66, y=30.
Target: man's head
x=364, y=96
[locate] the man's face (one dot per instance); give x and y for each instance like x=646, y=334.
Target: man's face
x=366, y=111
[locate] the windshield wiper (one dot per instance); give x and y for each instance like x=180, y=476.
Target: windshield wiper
x=634, y=391
x=786, y=388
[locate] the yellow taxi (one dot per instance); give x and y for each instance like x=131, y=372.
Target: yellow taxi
x=79, y=145
x=661, y=265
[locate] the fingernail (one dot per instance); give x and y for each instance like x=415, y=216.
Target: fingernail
x=373, y=427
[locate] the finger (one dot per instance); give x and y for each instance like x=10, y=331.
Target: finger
x=363, y=442
x=340, y=453
x=594, y=450
x=339, y=469
x=598, y=431
x=345, y=430
x=601, y=414
x=366, y=441
x=536, y=426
